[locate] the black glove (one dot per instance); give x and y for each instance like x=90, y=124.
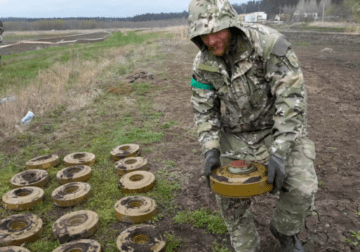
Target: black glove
x=212, y=161
x=276, y=173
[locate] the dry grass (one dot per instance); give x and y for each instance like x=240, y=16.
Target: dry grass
x=56, y=86
x=349, y=27
x=180, y=32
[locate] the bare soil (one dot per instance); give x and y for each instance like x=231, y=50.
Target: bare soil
x=334, y=124
x=23, y=47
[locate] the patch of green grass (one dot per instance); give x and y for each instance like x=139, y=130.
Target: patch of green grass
x=201, y=218
x=141, y=88
x=43, y=244
x=172, y=242
x=322, y=29
x=170, y=163
x=110, y=123
x=355, y=235
x=168, y=124
x=143, y=135
x=219, y=246
x=302, y=43
x=19, y=68
x=321, y=183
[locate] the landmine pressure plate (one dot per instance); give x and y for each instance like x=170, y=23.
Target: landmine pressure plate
x=240, y=180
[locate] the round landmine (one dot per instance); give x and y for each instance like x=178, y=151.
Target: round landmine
x=77, y=173
x=136, y=182
x=240, y=180
x=83, y=245
x=131, y=164
x=14, y=249
x=71, y=194
x=135, y=209
x=76, y=225
x=22, y=198
x=33, y=177
x=19, y=228
x=124, y=151
x=79, y=158
x=140, y=238
x=43, y=162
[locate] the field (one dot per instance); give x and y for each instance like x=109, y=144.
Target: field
x=134, y=87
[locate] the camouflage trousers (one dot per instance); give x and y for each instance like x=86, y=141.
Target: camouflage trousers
x=293, y=206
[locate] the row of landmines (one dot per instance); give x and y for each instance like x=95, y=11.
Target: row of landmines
x=74, y=228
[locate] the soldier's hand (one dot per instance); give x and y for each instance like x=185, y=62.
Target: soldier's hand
x=212, y=161
x=276, y=173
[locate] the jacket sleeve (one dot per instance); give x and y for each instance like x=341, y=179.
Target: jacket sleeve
x=287, y=85
x=206, y=107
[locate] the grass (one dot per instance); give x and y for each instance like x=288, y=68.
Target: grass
x=19, y=68
x=302, y=43
x=172, y=243
x=311, y=27
x=96, y=123
x=219, y=246
x=355, y=235
x=321, y=183
x=202, y=218
x=100, y=125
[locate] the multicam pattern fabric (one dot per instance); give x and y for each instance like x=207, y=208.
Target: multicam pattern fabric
x=261, y=85
x=258, y=80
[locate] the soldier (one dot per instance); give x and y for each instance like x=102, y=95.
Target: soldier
x=253, y=71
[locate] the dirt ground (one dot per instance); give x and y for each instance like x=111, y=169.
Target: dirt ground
x=23, y=47
x=334, y=124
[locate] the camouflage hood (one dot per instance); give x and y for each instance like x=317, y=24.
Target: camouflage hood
x=210, y=16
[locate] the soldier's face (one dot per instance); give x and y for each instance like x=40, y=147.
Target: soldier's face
x=218, y=43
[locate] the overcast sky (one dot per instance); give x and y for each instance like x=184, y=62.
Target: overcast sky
x=91, y=8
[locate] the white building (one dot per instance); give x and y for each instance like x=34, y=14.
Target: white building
x=255, y=17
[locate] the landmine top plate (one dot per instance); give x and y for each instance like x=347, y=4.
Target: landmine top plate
x=240, y=180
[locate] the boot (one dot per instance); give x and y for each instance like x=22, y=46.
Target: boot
x=287, y=243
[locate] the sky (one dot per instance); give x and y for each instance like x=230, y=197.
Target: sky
x=91, y=8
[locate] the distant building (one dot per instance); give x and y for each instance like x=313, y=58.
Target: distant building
x=255, y=17
x=297, y=17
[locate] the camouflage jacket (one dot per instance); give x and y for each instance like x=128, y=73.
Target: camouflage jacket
x=258, y=80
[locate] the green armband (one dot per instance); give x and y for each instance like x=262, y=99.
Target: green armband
x=197, y=84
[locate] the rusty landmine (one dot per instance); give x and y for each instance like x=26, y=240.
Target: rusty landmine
x=43, y=162
x=33, y=177
x=77, y=173
x=240, y=180
x=130, y=164
x=135, y=209
x=83, y=245
x=79, y=158
x=137, y=182
x=140, y=238
x=76, y=225
x=22, y=198
x=14, y=249
x=71, y=194
x=20, y=228
x=124, y=151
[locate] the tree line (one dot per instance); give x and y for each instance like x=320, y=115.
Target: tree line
x=343, y=8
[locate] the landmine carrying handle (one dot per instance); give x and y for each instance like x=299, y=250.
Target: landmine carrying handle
x=240, y=180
